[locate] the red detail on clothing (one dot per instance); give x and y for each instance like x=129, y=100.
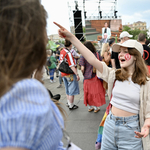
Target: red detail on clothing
x=144, y=55
x=94, y=92
x=148, y=69
x=69, y=59
x=127, y=56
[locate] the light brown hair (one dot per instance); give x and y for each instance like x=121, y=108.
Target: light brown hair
x=104, y=48
x=22, y=40
x=140, y=73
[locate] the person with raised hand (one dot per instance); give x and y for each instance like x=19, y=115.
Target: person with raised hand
x=127, y=125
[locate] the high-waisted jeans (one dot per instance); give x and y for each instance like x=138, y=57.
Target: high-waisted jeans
x=118, y=133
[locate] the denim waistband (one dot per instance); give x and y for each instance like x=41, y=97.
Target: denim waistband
x=124, y=119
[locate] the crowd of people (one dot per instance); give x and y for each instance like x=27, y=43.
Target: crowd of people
x=31, y=118
x=128, y=122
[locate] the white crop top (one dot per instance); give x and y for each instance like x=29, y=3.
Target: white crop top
x=126, y=96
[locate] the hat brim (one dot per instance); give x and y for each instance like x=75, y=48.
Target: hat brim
x=130, y=36
x=116, y=47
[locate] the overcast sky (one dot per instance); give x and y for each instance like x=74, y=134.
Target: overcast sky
x=130, y=11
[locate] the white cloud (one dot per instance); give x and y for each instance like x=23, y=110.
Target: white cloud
x=132, y=18
x=146, y=11
x=58, y=12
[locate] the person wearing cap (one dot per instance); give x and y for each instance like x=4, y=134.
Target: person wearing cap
x=146, y=57
x=124, y=36
x=130, y=102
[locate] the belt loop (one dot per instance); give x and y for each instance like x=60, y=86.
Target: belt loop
x=123, y=120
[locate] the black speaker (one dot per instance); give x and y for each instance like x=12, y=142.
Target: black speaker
x=78, y=25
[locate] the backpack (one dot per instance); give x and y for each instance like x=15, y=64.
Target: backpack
x=48, y=62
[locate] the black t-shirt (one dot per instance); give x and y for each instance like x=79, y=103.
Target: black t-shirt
x=57, y=52
x=114, y=55
x=146, y=54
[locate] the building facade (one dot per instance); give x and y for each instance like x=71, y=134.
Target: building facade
x=139, y=25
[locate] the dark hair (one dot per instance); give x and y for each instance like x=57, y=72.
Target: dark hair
x=112, y=40
x=141, y=37
x=90, y=46
x=22, y=40
x=147, y=42
x=67, y=43
x=140, y=73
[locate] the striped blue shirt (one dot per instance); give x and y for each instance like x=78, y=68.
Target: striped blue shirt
x=27, y=120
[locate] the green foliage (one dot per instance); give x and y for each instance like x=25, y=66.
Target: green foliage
x=134, y=32
x=95, y=44
x=84, y=30
x=47, y=46
x=62, y=41
x=126, y=28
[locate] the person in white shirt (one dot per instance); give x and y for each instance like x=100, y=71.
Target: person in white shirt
x=107, y=30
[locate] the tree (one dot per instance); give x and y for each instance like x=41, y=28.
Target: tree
x=134, y=32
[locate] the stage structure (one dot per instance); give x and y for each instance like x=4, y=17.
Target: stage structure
x=87, y=17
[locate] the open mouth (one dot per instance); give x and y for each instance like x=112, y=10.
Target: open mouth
x=122, y=60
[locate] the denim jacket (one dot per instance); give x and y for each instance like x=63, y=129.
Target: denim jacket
x=108, y=75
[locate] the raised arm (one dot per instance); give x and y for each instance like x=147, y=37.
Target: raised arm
x=87, y=54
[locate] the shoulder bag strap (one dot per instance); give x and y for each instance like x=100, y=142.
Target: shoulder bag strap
x=66, y=54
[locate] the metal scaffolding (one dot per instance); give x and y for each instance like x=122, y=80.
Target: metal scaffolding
x=92, y=10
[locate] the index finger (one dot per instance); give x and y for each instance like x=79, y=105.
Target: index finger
x=61, y=27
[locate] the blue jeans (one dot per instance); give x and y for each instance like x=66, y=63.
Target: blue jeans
x=118, y=133
x=71, y=87
x=60, y=78
x=51, y=73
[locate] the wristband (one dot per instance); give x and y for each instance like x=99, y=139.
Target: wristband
x=77, y=74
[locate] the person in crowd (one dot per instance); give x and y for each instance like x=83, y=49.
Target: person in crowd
x=52, y=67
x=147, y=42
x=106, y=54
x=60, y=78
x=105, y=39
x=106, y=30
x=27, y=113
x=111, y=42
x=146, y=54
x=70, y=80
x=130, y=100
x=75, y=55
x=124, y=36
x=57, y=58
x=47, y=61
x=94, y=93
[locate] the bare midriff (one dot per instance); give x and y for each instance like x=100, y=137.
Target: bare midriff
x=121, y=113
